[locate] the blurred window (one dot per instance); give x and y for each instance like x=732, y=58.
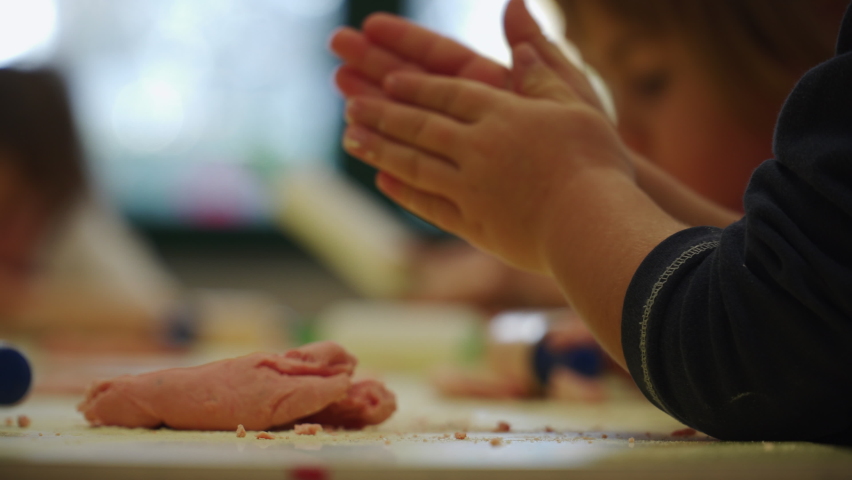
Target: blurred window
x=189, y=107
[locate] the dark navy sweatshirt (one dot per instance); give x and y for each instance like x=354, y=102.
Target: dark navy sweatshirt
x=745, y=333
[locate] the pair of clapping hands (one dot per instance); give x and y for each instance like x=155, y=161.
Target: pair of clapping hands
x=482, y=151
x=522, y=162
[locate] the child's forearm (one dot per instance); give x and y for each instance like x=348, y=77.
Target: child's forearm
x=678, y=200
x=602, y=228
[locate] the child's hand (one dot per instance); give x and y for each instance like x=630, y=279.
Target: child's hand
x=488, y=165
x=388, y=44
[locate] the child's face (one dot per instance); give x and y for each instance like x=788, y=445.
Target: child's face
x=23, y=223
x=671, y=112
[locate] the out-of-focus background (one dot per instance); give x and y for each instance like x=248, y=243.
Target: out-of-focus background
x=193, y=115
x=223, y=207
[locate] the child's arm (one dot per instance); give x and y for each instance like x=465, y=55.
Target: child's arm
x=678, y=200
x=544, y=182
x=388, y=44
x=742, y=333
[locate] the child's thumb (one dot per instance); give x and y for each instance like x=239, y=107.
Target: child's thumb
x=533, y=78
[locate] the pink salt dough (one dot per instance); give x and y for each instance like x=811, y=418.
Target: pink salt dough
x=367, y=402
x=259, y=391
x=307, y=428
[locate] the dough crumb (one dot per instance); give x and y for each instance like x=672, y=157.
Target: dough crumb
x=387, y=442
x=265, y=436
x=241, y=431
x=496, y=442
x=631, y=440
x=10, y=421
x=460, y=435
x=684, y=432
x=58, y=433
x=40, y=434
x=604, y=436
x=307, y=428
x=503, y=427
x=549, y=429
x=23, y=421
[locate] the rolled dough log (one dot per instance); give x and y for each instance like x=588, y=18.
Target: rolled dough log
x=261, y=391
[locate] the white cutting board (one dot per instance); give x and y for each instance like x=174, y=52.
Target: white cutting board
x=418, y=442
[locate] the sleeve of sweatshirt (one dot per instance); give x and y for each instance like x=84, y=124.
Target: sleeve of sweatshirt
x=746, y=333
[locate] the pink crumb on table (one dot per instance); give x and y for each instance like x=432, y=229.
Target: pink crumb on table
x=503, y=427
x=460, y=435
x=307, y=428
x=684, y=432
x=23, y=421
x=265, y=436
x=549, y=429
x=241, y=431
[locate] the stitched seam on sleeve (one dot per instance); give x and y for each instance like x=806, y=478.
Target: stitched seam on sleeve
x=649, y=304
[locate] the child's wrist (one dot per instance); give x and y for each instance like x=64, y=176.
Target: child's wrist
x=577, y=212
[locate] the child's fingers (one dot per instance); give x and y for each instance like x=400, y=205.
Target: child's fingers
x=431, y=51
x=435, y=209
x=464, y=100
x=423, y=129
x=351, y=82
x=372, y=61
x=414, y=167
x=534, y=78
x=521, y=27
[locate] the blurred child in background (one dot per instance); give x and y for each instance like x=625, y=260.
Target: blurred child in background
x=70, y=269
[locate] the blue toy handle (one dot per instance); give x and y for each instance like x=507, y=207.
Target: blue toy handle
x=585, y=360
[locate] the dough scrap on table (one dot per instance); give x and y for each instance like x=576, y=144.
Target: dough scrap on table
x=307, y=428
x=24, y=421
